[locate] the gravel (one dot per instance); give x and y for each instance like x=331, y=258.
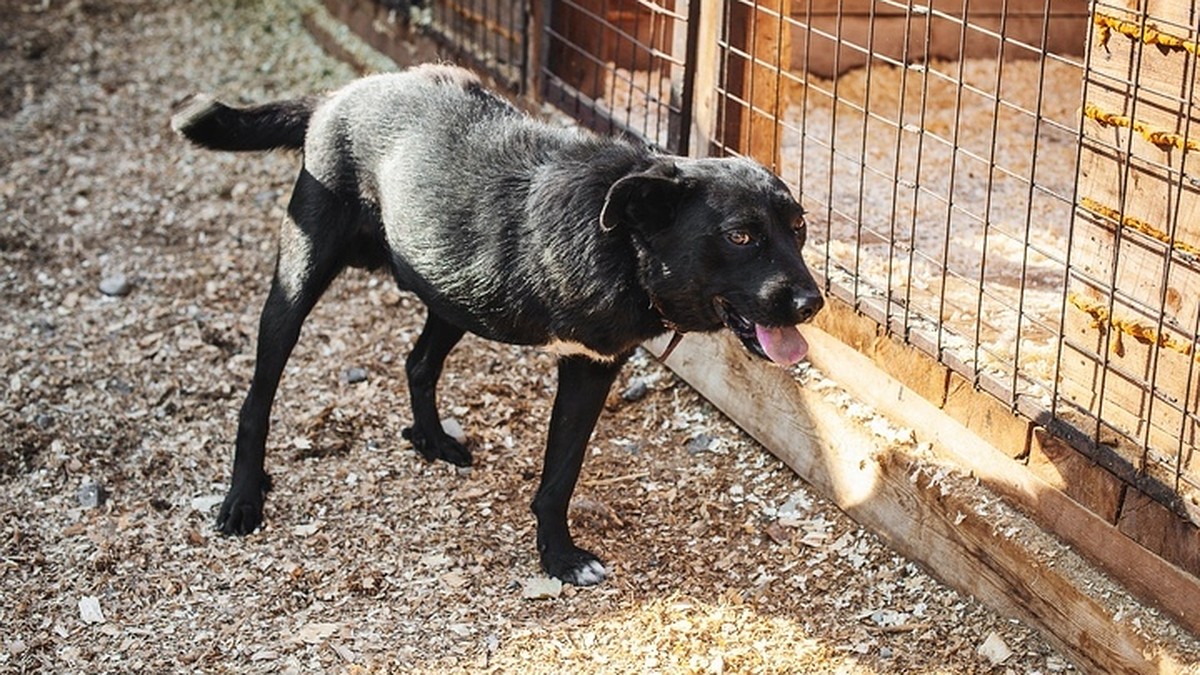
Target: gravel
x=370, y=559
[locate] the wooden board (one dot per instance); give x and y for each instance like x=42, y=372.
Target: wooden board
x=1140, y=389
x=588, y=38
x=1067, y=470
x=706, y=78
x=1122, y=168
x=893, y=495
x=1134, y=285
x=987, y=416
x=1169, y=15
x=831, y=38
x=905, y=362
x=1150, y=275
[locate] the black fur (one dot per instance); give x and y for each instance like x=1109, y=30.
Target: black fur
x=515, y=231
x=217, y=126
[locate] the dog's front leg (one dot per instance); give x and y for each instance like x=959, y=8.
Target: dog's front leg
x=583, y=385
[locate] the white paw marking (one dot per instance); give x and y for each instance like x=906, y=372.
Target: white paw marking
x=589, y=574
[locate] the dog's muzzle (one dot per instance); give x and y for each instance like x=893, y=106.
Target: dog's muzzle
x=783, y=345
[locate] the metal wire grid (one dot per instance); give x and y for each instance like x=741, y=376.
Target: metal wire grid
x=1158, y=456
x=943, y=194
x=874, y=168
x=489, y=34
x=618, y=66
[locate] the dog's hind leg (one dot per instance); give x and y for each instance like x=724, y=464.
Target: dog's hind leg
x=424, y=368
x=310, y=256
x=583, y=385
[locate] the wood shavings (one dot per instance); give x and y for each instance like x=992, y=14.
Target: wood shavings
x=370, y=559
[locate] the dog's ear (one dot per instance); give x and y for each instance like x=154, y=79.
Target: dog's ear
x=644, y=198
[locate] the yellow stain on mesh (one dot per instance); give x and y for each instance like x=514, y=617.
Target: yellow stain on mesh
x=1140, y=331
x=1139, y=225
x=1150, y=35
x=1163, y=139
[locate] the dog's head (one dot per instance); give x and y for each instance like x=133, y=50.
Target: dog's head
x=719, y=245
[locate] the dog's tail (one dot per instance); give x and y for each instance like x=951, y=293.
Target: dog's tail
x=216, y=126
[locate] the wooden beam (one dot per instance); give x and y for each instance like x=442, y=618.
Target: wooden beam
x=705, y=75
x=903, y=498
x=1143, y=573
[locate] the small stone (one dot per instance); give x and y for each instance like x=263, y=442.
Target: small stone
x=89, y=609
x=636, y=390
x=541, y=588
x=91, y=495
x=265, y=197
x=777, y=533
x=354, y=375
x=994, y=649
x=699, y=444
x=116, y=286
x=206, y=503
x=454, y=430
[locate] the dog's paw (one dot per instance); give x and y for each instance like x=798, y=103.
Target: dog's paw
x=242, y=511
x=437, y=446
x=575, y=566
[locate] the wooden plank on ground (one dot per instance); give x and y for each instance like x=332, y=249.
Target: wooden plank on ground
x=905, y=500
x=1145, y=574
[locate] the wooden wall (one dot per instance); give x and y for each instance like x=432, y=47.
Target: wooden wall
x=1130, y=355
x=894, y=33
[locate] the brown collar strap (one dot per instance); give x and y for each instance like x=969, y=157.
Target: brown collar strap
x=671, y=346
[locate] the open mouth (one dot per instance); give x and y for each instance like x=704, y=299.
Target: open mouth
x=780, y=344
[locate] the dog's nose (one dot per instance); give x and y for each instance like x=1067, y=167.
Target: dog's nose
x=806, y=305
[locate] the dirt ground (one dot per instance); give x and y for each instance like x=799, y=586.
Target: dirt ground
x=370, y=559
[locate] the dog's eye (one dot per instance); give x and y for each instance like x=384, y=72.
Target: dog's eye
x=739, y=237
x=799, y=224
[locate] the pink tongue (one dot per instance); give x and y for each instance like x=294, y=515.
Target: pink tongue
x=783, y=345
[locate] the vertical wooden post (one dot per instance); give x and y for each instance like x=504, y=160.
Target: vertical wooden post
x=760, y=29
x=704, y=61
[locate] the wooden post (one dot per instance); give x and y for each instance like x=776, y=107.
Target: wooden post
x=760, y=43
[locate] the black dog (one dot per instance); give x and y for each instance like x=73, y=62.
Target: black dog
x=516, y=231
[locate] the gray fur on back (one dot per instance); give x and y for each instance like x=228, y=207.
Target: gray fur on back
x=434, y=151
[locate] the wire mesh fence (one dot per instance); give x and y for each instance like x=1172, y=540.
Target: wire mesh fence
x=1128, y=359
x=492, y=35
x=619, y=66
